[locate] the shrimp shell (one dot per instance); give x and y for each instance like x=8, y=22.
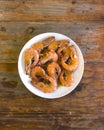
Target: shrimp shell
x=36, y=72
x=46, y=88
x=31, y=58
x=70, y=60
x=38, y=46
x=48, y=40
x=61, y=51
x=42, y=81
x=56, y=44
x=54, y=70
x=66, y=78
x=50, y=55
x=41, y=45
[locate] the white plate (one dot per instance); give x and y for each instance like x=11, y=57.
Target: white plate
x=61, y=91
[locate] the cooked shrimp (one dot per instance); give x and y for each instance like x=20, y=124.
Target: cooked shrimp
x=51, y=63
x=61, y=51
x=50, y=55
x=36, y=72
x=66, y=78
x=56, y=44
x=38, y=46
x=48, y=40
x=41, y=45
x=70, y=59
x=42, y=81
x=31, y=58
x=54, y=70
x=47, y=85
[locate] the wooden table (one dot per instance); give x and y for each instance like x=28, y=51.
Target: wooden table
x=81, y=20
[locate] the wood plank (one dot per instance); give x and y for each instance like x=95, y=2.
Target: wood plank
x=89, y=93
x=52, y=124
x=23, y=99
x=83, y=108
x=49, y=10
x=39, y=121
x=91, y=86
x=87, y=36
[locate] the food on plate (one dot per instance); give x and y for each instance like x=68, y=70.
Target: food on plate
x=42, y=81
x=31, y=58
x=50, y=64
x=69, y=59
x=48, y=56
x=56, y=44
x=53, y=70
x=39, y=46
x=66, y=78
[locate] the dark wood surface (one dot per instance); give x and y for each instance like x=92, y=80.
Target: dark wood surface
x=81, y=20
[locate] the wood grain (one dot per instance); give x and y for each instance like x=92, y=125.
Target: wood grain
x=81, y=20
x=49, y=10
x=85, y=35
